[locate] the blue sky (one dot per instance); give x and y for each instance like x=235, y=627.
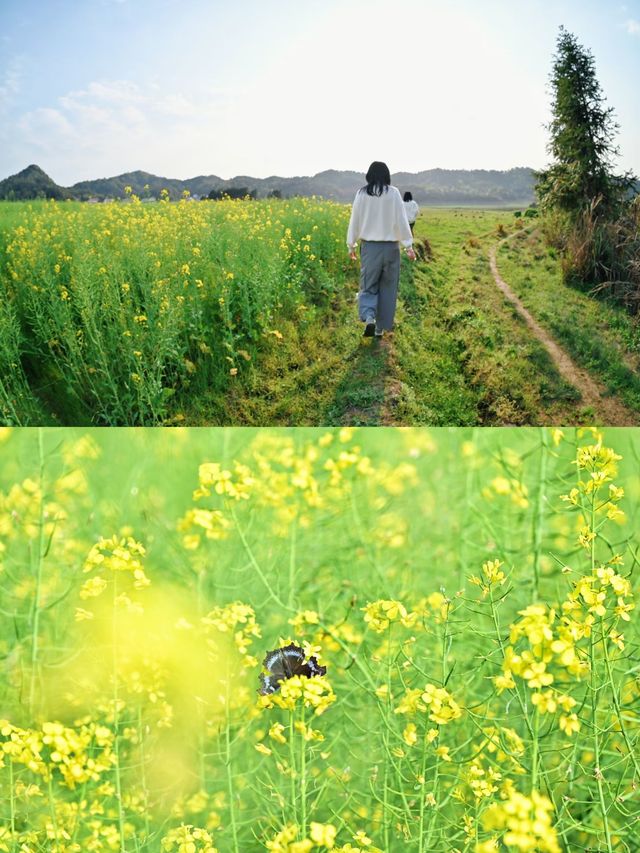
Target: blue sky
x=92, y=88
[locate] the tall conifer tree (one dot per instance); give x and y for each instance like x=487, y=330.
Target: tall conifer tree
x=582, y=144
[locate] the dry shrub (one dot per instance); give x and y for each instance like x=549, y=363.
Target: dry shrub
x=606, y=255
x=424, y=250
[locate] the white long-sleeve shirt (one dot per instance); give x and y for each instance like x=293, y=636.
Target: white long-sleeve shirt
x=381, y=217
x=412, y=210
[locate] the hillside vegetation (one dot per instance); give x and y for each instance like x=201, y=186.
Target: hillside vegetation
x=434, y=186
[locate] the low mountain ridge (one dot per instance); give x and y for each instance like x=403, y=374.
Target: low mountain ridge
x=31, y=182
x=479, y=187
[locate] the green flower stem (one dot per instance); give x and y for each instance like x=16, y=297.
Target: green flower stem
x=52, y=805
x=496, y=625
x=538, y=516
x=468, y=482
x=292, y=767
x=365, y=538
x=77, y=823
x=594, y=698
x=436, y=779
x=35, y=609
x=116, y=714
x=533, y=734
x=422, y=848
x=596, y=744
x=536, y=748
x=202, y=768
x=475, y=820
x=229, y=768
x=618, y=709
x=254, y=563
x=423, y=771
x=303, y=777
x=445, y=645
x=12, y=802
x=143, y=776
x=385, y=740
x=292, y=561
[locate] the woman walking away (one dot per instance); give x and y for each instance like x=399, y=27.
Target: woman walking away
x=379, y=222
x=412, y=209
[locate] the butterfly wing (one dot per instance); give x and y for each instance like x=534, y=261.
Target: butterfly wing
x=293, y=660
x=313, y=668
x=268, y=684
x=274, y=663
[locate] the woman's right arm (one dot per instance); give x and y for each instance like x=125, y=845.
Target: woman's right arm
x=353, y=232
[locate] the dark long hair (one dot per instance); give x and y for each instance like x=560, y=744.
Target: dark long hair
x=378, y=178
x=407, y=196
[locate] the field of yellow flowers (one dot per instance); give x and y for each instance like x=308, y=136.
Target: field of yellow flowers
x=472, y=602
x=112, y=312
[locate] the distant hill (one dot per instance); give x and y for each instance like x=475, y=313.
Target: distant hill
x=114, y=187
x=431, y=187
x=31, y=182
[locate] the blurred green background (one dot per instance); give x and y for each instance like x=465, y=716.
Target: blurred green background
x=310, y=527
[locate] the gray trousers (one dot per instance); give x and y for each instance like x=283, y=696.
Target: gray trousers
x=379, y=277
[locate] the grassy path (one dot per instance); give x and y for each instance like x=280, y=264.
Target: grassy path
x=596, y=334
x=466, y=355
x=606, y=408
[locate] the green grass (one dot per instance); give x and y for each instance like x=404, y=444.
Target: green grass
x=473, y=359
x=128, y=696
x=598, y=334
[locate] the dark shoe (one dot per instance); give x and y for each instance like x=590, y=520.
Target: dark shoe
x=369, y=330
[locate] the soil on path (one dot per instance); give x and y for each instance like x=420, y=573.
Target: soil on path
x=608, y=410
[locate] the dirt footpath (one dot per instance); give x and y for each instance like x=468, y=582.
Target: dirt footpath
x=608, y=410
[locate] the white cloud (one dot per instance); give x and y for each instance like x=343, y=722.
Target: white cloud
x=115, y=91
x=10, y=83
x=39, y=124
x=632, y=27
x=113, y=126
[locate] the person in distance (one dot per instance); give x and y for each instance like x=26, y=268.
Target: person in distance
x=412, y=209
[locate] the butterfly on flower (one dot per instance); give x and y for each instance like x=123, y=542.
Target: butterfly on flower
x=284, y=663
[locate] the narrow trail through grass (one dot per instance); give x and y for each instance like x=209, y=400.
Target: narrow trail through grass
x=607, y=409
x=322, y=371
x=598, y=334
x=465, y=357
